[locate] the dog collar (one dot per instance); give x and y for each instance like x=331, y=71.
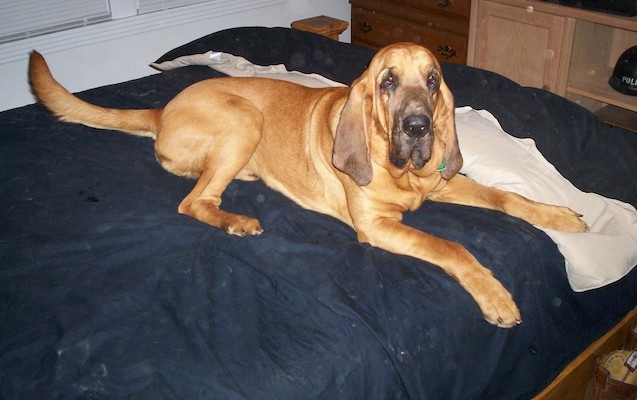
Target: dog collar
x=442, y=166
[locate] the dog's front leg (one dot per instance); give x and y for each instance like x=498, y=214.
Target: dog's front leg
x=495, y=302
x=462, y=190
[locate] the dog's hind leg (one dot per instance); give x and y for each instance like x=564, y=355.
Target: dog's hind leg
x=217, y=147
x=204, y=201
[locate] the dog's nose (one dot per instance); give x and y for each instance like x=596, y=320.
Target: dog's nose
x=416, y=125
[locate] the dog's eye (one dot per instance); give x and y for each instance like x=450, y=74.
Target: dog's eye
x=433, y=81
x=389, y=82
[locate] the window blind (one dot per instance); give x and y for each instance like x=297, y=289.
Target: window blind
x=20, y=19
x=147, y=6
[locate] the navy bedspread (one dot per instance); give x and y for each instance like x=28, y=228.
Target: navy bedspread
x=107, y=292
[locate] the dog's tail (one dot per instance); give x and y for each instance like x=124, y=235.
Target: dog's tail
x=70, y=108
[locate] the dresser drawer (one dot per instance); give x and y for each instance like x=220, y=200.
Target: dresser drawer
x=461, y=8
x=425, y=17
x=374, y=29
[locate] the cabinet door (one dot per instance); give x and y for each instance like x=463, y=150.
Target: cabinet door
x=530, y=47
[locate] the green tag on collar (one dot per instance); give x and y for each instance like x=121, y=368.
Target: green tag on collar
x=442, y=166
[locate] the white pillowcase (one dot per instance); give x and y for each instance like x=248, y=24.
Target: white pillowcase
x=236, y=66
x=494, y=158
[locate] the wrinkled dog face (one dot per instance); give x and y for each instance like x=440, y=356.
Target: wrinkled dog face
x=400, y=114
x=408, y=85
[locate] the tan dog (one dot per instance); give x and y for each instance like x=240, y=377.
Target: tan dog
x=364, y=154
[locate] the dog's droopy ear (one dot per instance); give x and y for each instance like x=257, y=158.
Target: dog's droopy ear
x=352, y=153
x=446, y=118
x=453, y=159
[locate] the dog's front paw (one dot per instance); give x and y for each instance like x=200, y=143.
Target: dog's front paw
x=564, y=219
x=501, y=311
x=495, y=302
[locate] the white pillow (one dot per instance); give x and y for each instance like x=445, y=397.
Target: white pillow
x=494, y=158
x=232, y=65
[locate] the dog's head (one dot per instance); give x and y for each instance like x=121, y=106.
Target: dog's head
x=400, y=115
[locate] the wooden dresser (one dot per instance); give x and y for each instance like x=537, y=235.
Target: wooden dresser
x=440, y=25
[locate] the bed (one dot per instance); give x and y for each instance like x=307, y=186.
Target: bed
x=107, y=292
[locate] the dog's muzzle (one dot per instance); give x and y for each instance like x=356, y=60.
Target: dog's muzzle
x=412, y=141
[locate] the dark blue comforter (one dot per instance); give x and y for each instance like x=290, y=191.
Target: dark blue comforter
x=107, y=292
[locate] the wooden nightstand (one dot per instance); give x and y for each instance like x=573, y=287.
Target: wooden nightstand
x=323, y=25
x=442, y=26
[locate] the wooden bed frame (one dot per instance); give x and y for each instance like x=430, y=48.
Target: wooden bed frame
x=572, y=381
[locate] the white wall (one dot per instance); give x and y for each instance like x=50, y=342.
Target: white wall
x=115, y=60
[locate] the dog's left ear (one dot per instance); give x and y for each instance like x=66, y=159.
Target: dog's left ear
x=445, y=118
x=352, y=152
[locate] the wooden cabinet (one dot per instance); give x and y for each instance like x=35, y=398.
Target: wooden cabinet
x=440, y=25
x=529, y=47
x=569, y=51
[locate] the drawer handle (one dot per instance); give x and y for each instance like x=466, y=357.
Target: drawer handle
x=364, y=27
x=443, y=3
x=447, y=51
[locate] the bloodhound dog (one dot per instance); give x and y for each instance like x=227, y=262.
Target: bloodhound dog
x=364, y=154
